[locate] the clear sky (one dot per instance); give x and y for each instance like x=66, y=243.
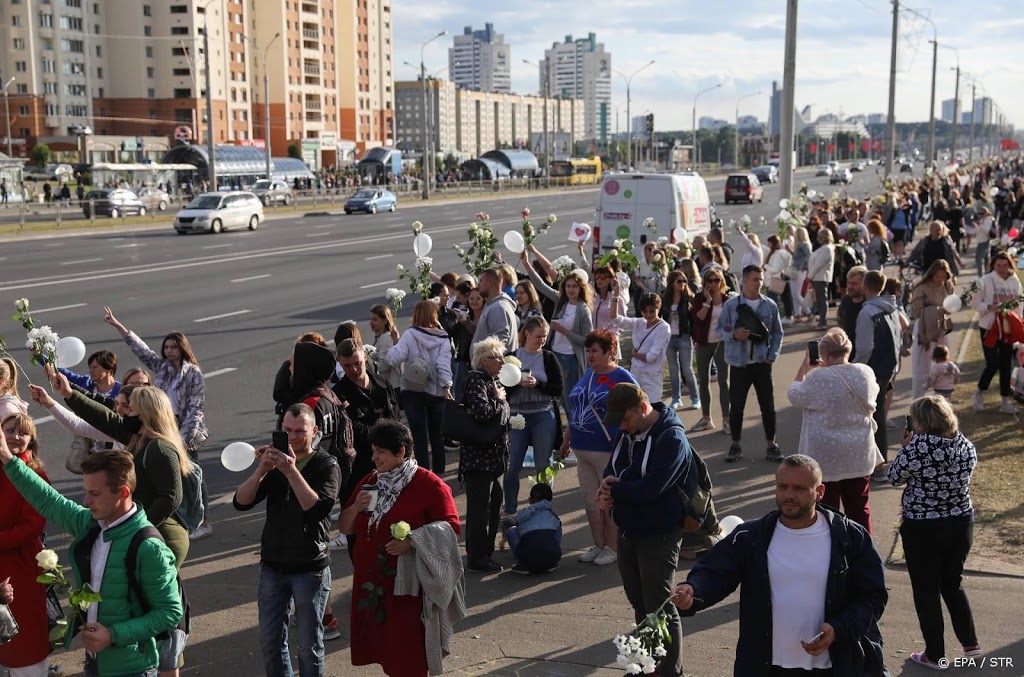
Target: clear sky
x=842, y=51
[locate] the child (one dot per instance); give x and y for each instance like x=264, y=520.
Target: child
x=536, y=538
x=943, y=375
x=651, y=336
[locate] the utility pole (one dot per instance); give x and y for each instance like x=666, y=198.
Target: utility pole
x=629, y=120
x=890, y=126
x=974, y=110
x=931, y=115
x=693, y=121
x=427, y=175
x=266, y=96
x=211, y=144
x=788, y=97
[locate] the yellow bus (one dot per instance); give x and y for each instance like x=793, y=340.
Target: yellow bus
x=576, y=171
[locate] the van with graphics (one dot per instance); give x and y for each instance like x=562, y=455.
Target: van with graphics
x=672, y=200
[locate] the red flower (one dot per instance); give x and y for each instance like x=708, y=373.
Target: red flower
x=526, y=212
x=601, y=380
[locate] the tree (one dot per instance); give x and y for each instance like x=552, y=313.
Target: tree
x=295, y=151
x=41, y=154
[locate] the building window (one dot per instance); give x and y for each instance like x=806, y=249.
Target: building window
x=22, y=88
x=99, y=73
x=183, y=93
x=99, y=50
x=183, y=9
x=149, y=52
x=147, y=10
x=181, y=72
x=179, y=30
x=45, y=20
x=99, y=92
x=20, y=67
x=76, y=46
x=22, y=110
x=150, y=72
x=16, y=21
x=151, y=93
x=19, y=43
x=70, y=23
x=147, y=31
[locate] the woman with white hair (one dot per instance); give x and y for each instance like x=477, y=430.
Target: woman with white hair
x=819, y=268
x=481, y=465
x=801, y=254
x=838, y=399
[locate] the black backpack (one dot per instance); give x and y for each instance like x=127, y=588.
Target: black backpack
x=131, y=559
x=884, y=356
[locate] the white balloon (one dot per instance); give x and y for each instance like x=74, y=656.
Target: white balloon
x=785, y=215
x=1012, y=251
x=422, y=244
x=783, y=203
x=993, y=191
x=729, y=523
x=238, y=456
x=812, y=194
x=510, y=375
x=514, y=242
x=681, y=235
x=952, y=304
x=70, y=351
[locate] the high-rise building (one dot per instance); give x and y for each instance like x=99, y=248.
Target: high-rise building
x=949, y=108
x=983, y=110
x=707, y=122
x=365, y=78
x=481, y=61
x=581, y=69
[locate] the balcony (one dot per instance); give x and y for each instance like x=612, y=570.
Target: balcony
x=310, y=8
x=311, y=34
x=311, y=80
x=313, y=116
x=311, y=104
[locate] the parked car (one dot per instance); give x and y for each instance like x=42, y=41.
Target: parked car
x=215, y=212
x=743, y=188
x=371, y=201
x=841, y=175
x=766, y=173
x=272, y=191
x=857, y=166
x=112, y=202
x=906, y=165
x=823, y=170
x=154, y=198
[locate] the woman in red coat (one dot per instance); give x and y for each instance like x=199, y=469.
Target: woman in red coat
x=386, y=629
x=20, y=530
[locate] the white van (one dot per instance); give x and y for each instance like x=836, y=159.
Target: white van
x=672, y=200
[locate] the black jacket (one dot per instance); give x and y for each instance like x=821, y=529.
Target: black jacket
x=683, y=309
x=310, y=385
x=360, y=410
x=855, y=594
x=295, y=540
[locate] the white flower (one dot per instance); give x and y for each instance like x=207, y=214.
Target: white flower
x=21, y=304
x=623, y=660
x=552, y=218
x=617, y=244
x=614, y=252
x=662, y=240
x=369, y=349
x=30, y=344
x=649, y=223
x=417, y=227
x=473, y=227
x=660, y=652
x=512, y=359
x=657, y=257
x=394, y=295
x=648, y=665
x=518, y=422
x=424, y=262
x=634, y=669
x=745, y=220
x=400, y=268
x=47, y=559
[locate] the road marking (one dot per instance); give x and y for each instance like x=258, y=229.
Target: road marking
x=560, y=246
x=3, y=258
x=75, y=263
x=127, y=246
x=381, y=256
x=50, y=310
x=375, y=284
x=254, y=277
x=54, y=244
x=218, y=372
x=216, y=246
x=42, y=419
x=323, y=225
x=319, y=234
x=218, y=317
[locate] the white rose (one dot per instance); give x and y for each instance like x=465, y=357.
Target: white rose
x=47, y=559
x=552, y=218
x=614, y=252
x=417, y=226
x=400, y=268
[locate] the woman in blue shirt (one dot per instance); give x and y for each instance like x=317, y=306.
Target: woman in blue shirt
x=591, y=440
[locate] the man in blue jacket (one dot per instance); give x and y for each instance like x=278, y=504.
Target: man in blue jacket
x=641, y=489
x=813, y=585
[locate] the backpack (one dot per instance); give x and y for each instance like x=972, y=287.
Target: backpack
x=884, y=356
x=335, y=426
x=134, y=588
x=416, y=374
x=190, y=511
x=885, y=251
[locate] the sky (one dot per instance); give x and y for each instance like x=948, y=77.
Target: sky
x=843, y=49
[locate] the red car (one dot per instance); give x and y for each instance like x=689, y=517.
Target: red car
x=743, y=188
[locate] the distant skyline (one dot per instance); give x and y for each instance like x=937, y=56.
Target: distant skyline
x=842, y=52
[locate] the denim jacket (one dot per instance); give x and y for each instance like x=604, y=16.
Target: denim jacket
x=742, y=353
x=539, y=516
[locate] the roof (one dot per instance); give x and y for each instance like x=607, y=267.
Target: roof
x=491, y=169
x=515, y=160
x=147, y=166
x=237, y=161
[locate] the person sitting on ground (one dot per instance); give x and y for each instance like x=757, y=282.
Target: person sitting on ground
x=536, y=535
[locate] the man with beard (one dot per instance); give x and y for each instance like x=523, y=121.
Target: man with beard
x=813, y=585
x=851, y=303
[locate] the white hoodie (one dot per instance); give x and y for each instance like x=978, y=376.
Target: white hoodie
x=11, y=405
x=434, y=347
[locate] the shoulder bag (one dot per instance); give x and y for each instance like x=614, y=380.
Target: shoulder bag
x=81, y=447
x=8, y=626
x=459, y=424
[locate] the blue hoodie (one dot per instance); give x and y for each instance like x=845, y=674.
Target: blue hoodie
x=646, y=500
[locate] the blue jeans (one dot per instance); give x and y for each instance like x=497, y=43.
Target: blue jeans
x=537, y=551
x=424, y=413
x=310, y=592
x=540, y=431
x=680, y=360
x=570, y=375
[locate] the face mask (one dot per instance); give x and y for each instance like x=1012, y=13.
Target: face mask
x=132, y=424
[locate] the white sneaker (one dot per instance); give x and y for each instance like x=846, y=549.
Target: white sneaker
x=570, y=459
x=1007, y=407
x=591, y=555
x=339, y=542
x=978, y=401
x=606, y=557
x=203, y=531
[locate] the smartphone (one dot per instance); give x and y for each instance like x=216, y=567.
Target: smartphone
x=812, y=352
x=280, y=441
x=814, y=639
x=910, y=428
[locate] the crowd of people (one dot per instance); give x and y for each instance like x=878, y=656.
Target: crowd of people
x=358, y=457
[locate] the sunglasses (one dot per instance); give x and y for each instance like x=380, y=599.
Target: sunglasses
x=713, y=280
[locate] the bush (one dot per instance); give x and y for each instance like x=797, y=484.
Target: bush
x=295, y=151
x=41, y=155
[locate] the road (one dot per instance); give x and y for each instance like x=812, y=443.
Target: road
x=242, y=297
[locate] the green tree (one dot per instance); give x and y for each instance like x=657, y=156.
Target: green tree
x=295, y=151
x=41, y=154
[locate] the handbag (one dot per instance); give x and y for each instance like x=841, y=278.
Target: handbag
x=81, y=447
x=8, y=626
x=458, y=424
x=777, y=285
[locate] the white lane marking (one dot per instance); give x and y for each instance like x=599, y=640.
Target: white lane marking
x=75, y=263
x=216, y=246
x=149, y=269
x=319, y=234
x=218, y=372
x=254, y=277
x=42, y=419
x=128, y=246
x=323, y=225
x=560, y=246
x=375, y=284
x=3, y=258
x=217, y=317
x=50, y=310
x=54, y=244
x=381, y=256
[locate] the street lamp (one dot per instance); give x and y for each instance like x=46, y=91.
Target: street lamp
x=956, y=100
x=211, y=147
x=629, y=120
x=7, y=115
x=266, y=94
x=547, y=138
x=693, y=122
x=736, y=150
x=83, y=132
x=426, y=139
x=974, y=98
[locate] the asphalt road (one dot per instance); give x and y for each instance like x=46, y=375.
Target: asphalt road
x=242, y=297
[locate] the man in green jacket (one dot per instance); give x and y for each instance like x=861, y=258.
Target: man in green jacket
x=119, y=631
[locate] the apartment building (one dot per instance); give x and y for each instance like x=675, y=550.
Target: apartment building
x=467, y=123
x=581, y=69
x=366, y=89
x=481, y=61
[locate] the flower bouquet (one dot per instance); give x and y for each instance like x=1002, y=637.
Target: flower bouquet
x=418, y=276
x=395, y=297
x=563, y=265
x=651, y=225
x=482, y=245
x=80, y=599
x=639, y=651
x=622, y=251
x=530, y=232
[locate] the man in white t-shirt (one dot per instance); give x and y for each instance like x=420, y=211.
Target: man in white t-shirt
x=813, y=585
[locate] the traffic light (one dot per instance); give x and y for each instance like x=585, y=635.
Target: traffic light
x=650, y=124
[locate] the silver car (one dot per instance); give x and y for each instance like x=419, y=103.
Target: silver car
x=154, y=198
x=272, y=191
x=215, y=212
